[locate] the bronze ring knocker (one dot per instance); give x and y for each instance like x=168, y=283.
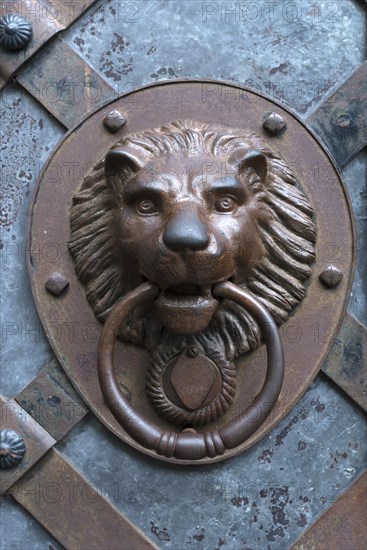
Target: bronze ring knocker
x=189, y=445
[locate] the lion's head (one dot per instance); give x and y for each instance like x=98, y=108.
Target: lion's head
x=186, y=206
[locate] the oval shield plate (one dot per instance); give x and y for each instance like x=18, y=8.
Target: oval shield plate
x=62, y=302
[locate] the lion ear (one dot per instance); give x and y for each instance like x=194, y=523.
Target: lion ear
x=257, y=161
x=120, y=164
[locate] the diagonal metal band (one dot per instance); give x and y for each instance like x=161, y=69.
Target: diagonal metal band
x=48, y=486
x=329, y=532
x=36, y=439
x=340, y=120
x=74, y=512
x=52, y=401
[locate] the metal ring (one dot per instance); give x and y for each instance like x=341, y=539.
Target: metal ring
x=186, y=445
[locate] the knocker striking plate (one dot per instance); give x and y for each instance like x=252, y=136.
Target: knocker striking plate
x=193, y=246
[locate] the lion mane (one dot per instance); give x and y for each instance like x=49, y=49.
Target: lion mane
x=279, y=280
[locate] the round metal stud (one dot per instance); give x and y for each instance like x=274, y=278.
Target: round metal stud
x=15, y=32
x=12, y=449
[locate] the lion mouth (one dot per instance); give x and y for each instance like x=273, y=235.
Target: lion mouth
x=185, y=291
x=186, y=308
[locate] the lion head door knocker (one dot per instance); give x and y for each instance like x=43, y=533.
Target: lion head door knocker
x=196, y=242
x=199, y=242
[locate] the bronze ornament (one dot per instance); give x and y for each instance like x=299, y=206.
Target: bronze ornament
x=186, y=445
x=265, y=236
x=166, y=216
x=187, y=199
x=12, y=449
x=15, y=32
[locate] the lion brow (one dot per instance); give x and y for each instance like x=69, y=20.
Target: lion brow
x=136, y=188
x=225, y=184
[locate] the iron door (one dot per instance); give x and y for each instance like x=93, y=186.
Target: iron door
x=77, y=485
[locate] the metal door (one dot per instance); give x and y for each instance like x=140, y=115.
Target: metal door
x=78, y=486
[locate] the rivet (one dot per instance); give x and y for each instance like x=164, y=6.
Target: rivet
x=274, y=123
x=56, y=283
x=53, y=400
x=15, y=32
x=343, y=120
x=114, y=121
x=331, y=276
x=192, y=352
x=12, y=449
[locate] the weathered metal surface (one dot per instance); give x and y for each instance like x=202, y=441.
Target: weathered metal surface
x=340, y=120
x=321, y=309
x=64, y=83
x=26, y=530
x=342, y=525
x=36, y=440
x=28, y=133
x=74, y=512
x=355, y=177
x=46, y=18
x=261, y=499
x=289, y=51
x=52, y=401
x=346, y=363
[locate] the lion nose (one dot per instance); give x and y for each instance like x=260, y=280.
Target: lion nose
x=186, y=231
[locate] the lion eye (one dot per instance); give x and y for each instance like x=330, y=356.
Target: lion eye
x=225, y=204
x=146, y=207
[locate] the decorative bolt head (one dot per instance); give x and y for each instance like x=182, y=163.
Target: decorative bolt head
x=12, y=449
x=343, y=120
x=56, y=284
x=114, y=121
x=15, y=32
x=192, y=352
x=53, y=400
x=274, y=123
x=331, y=276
